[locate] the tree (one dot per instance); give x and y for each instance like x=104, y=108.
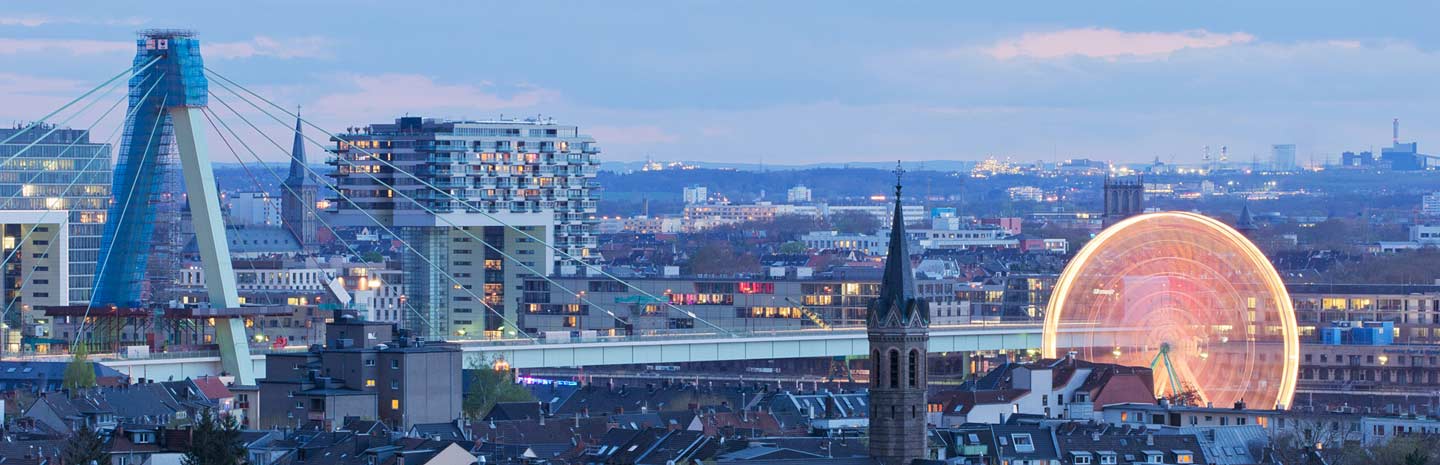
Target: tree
x=792, y=248
x=1187, y=396
x=85, y=446
x=215, y=441
x=854, y=222
x=80, y=373
x=488, y=386
x=719, y=257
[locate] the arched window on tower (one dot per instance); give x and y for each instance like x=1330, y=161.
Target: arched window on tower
x=875, y=368
x=894, y=368
x=914, y=367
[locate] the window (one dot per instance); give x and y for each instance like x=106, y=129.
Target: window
x=1024, y=443
x=394, y=384
x=394, y=404
x=394, y=364
x=1107, y=459
x=875, y=368
x=914, y=367
x=369, y=383
x=369, y=362
x=1082, y=460
x=894, y=368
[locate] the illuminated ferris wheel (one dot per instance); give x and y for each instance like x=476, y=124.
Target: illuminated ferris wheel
x=1186, y=295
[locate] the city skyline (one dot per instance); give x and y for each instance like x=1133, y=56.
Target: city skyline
x=797, y=84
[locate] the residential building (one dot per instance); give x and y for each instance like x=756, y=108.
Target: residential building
x=1064, y=388
x=252, y=209
x=696, y=195
x=1405, y=361
x=306, y=287
x=40, y=180
x=871, y=244
x=1425, y=235
x=1430, y=204
x=521, y=184
x=366, y=370
x=798, y=194
x=37, y=243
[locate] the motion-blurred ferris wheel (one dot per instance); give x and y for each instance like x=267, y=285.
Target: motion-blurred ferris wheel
x=1188, y=296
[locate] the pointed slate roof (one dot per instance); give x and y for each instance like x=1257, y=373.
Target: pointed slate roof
x=299, y=176
x=898, y=304
x=1246, y=222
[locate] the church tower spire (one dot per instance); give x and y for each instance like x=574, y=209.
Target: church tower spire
x=300, y=191
x=898, y=326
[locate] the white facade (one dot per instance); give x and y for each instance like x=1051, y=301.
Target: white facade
x=1425, y=234
x=1430, y=204
x=798, y=194
x=913, y=213
x=254, y=209
x=696, y=195
x=873, y=244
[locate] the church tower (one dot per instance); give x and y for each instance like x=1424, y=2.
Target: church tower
x=898, y=326
x=298, y=199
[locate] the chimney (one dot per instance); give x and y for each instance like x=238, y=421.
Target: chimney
x=1150, y=439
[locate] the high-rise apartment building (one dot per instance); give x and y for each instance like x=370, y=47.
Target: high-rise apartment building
x=520, y=180
x=798, y=194
x=695, y=195
x=38, y=180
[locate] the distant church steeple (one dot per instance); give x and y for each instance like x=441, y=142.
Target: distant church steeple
x=300, y=191
x=1246, y=223
x=898, y=324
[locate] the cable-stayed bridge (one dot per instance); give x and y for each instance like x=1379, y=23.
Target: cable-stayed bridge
x=176, y=104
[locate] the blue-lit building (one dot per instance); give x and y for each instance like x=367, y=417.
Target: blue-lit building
x=1365, y=333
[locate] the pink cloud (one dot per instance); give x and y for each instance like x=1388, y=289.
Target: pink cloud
x=292, y=47
x=1111, y=44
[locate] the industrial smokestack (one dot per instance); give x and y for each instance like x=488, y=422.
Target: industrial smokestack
x=1395, y=131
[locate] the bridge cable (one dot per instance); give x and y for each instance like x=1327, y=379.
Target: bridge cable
x=467, y=204
x=20, y=193
x=109, y=141
x=310, y=208
x=105, y=261
x=452, y=224
x=444, y=273
x=128, y=70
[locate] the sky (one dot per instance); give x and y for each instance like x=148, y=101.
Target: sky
x=797, y=82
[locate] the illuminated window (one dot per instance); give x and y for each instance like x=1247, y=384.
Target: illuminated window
x=394, y=404
x=369, y=383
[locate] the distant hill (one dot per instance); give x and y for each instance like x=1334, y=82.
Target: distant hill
x=932, y=165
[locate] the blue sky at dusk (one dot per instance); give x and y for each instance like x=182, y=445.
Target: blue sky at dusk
x=800, y=82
